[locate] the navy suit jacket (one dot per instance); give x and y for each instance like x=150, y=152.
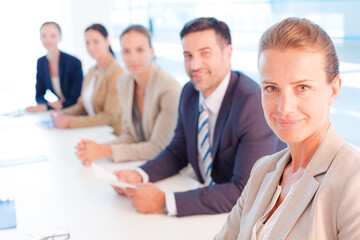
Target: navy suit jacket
x=241, y=137
x=70, y=74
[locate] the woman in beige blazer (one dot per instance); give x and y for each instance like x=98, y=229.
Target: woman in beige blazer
x=310, y=189
x=99, y=100
x=149, y=100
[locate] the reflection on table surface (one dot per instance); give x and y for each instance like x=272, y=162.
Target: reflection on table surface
x=60, y=193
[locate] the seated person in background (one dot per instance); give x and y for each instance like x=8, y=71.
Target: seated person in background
x=58, y=72
x=310, y=189
x=221, y=131
x=99, y=100
x=149, y=99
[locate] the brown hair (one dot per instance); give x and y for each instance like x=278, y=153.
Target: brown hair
x=138, y=28
x=102, y=30
x=208, y=23
x=301, y=33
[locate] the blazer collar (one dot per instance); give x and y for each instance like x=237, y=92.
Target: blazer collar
x=47, y=70
x=308, y=184
x=222, y=116
x=61, y=69
x=148, y=102
x=129, y=108
x=45, y=66
x=192, y=130
x=148, y=99
x=101, y=75
x=267, y=188
x=224, y=112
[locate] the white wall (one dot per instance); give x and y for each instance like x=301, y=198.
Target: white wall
x=79, y=15
x=20, y=46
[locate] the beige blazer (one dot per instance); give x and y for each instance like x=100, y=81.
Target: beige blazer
x=105, y=99
x=324, y=204
x=160, y=111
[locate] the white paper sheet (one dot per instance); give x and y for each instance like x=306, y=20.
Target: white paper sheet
x=106, y=176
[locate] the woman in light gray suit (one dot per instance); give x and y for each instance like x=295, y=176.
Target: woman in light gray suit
x=309, y=190
x=149, y=99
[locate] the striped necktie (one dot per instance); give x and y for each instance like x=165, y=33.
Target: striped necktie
x=204, y=147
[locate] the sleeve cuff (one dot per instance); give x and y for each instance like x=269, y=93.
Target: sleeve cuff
x=170, y=203
x=143, y=174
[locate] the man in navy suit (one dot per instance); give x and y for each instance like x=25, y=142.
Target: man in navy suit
x=236, y=134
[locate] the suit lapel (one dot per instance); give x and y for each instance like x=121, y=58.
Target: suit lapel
x=266, y=191
x=100, y=78
x=223, y=113
x=98, y=83
x=129, y=108
x=192, y=121
x=308, y=185
x=61, y=59
x=147, y=122
x=47, y=74
x=295, y=206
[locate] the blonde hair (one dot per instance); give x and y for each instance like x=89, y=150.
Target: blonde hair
x=301, y=33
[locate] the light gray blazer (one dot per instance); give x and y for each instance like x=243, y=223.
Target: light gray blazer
x=324, y=204
x=160, y=112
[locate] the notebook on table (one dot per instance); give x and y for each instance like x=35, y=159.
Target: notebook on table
x=7, y=214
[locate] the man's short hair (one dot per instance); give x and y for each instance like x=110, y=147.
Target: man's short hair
x=208, y=23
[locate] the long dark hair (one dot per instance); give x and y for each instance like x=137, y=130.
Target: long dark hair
x=101, y=29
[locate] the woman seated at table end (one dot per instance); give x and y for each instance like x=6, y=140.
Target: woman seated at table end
x=149, y=100
x=310, y=189
x=57, y=71
x=99, y=100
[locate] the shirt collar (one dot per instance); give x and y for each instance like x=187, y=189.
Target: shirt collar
x=214, y=100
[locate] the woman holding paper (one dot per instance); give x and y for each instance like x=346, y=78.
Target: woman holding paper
x=99, y=100
x=149, y=100
x=57, y=71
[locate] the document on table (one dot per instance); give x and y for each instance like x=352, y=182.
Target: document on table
x=47, y=124
x=106, y=176
x=7, y=214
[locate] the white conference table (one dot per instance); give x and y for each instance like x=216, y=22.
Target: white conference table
x=60, y=193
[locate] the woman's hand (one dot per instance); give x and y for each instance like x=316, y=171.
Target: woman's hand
x=89, y=151
x=60, y=119
x=56, y=105
x=37, y=108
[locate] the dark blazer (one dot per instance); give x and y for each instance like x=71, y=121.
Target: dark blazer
x=241, y=137
x=70, y=74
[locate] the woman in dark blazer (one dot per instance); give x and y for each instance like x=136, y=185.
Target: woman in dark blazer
x=57, y=71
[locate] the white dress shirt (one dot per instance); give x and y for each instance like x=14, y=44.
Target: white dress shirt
x=213, y=103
